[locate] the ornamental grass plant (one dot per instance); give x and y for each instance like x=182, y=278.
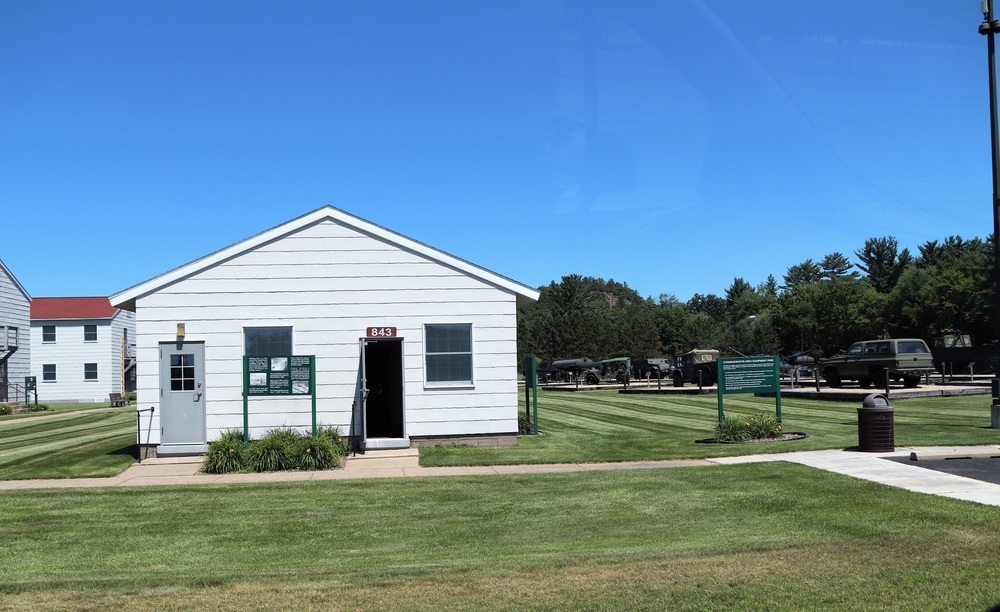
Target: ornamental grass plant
x=736, y=428
x=281, y=449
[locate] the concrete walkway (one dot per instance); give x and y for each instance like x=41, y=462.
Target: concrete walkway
x=402, y=463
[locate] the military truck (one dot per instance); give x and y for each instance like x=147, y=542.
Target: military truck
x=652, y=367
x=876, y=361
x=699, y=366
x=956, y=353
x=615, y=370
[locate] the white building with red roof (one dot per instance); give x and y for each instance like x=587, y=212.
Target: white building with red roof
x=81, y=349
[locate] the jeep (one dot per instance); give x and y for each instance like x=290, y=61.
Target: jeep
x=876, y=361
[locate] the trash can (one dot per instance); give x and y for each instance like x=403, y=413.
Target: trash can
x=875, y=425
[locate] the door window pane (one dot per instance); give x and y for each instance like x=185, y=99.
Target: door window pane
x=182, y=372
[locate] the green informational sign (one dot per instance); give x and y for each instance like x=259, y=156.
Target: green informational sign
x=283, y=375
x=29, y=383
x=278, y=375
x=750, y=375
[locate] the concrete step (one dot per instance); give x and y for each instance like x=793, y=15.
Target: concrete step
x=384, y=459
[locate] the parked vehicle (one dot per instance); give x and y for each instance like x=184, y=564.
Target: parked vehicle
x=616, y=370
x=956, y=353
x=876, y=361
x=568, y=370
x=698, y=366
x=652, y=367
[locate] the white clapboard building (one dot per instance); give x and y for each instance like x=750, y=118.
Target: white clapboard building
x=15, y=342
x=80, y=348
x=411, y=345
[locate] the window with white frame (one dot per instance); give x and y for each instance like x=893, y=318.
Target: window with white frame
x=48, y=333
x=267, y=341
x=90, y=371
x=448, y=353
x=48, y=372
x=90, y=333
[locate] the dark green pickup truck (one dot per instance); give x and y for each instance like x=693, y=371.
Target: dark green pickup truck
x=869, y=362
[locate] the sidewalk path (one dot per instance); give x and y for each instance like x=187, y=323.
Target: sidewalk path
x=401, y=463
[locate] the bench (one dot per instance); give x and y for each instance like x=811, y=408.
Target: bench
x=116, y=399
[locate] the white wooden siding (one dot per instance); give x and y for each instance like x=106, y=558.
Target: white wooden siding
x=70, y=352
x=15, y=311
x=329, y=282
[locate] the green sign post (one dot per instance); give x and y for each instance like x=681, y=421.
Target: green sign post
x=30, y=385
x=750, y=375
x=278, y=375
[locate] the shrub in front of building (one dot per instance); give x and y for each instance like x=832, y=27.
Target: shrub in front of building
x=281, y=449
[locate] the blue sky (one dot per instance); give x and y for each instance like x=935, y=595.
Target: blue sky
x=669, y=145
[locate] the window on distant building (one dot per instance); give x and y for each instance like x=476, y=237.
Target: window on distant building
x=449, y=353
x=90, y=371
x=48, y=333
x=49, y=372
x=90, y=333
x=267, y=341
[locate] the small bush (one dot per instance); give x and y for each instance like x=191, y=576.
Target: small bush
x=315, y=454
x=6, y=409
x=524, y=426
x=269, y=454
x=226, y=454
x=337, y=439
x=742, y=429
x=38, y=408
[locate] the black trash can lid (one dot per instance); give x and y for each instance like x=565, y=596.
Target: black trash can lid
x=875, y=400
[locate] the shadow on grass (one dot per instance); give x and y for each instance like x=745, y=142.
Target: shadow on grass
x=132, y=450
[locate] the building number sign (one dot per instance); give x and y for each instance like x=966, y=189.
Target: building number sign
x=380, y=332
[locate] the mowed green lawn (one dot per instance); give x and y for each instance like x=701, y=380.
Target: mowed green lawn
x=96, y=442
x=768, y=536
x=609, y=426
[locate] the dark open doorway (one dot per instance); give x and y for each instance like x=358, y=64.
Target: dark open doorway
x=383, y=362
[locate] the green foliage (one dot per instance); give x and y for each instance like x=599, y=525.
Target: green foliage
x=269, y=454
x=336, y=438
x=525, y=426
x=315, y=454
x=735, y=428
x=38, y=408
x=226, y=454
x=285, y=448
x=823, y=305
x=6, y=409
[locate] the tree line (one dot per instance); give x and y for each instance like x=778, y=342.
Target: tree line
x=820, y=306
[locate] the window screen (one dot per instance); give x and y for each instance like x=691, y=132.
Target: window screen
x=449, y=353
x=267, y=341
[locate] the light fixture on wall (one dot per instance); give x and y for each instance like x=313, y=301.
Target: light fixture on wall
x=180, y=331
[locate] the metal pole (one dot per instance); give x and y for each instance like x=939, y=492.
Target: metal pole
x=988, y=28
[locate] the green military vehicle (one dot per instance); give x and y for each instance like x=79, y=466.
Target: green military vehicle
x=698, y=366
x=876, y=361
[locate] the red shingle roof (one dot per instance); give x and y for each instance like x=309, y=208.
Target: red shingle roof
x=72, y=308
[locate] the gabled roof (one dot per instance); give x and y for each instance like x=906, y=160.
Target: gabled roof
x=71, y=308
x=126, y=299
x=14, y=280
